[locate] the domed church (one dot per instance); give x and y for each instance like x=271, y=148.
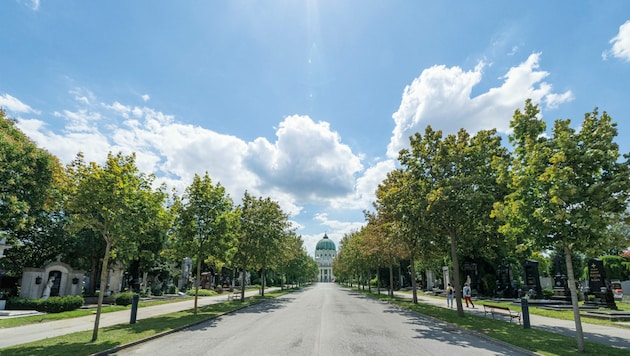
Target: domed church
x=325, y=252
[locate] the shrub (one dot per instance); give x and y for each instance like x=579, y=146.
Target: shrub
x=202, y=292
x=172, y=289
x=50, y=305
x=124, y=298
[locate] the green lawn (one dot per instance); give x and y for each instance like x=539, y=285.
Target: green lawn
x=542, y=342
x=114, y=336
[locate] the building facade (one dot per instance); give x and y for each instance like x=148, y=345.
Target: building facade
x=325, y=253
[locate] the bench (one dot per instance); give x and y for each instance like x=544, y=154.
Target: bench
x=236, y=294
x=503, y=311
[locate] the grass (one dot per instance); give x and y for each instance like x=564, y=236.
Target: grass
x=117, y=335
x=558, y=314
x=539, y=341
x=39, y=318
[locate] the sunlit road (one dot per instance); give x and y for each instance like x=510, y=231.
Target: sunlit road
x=322, y=320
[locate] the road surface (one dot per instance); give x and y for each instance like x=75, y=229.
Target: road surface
x=325, y=319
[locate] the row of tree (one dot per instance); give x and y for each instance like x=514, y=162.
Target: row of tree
x=467, y=196
x=91, y=214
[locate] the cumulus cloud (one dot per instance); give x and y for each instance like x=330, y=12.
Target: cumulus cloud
x=307, y=160
x=441, y=97
x=306, y=163
x=14, y=105
x=146, y=97
x=620, y=44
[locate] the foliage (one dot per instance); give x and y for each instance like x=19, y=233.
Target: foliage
x=27, y=173
x=449, y=185
x=201, y=293
x=262, y=229
x=124, y=298
x=30, y=201
x=50, y=305
x=204, y=224
x=616, y=267
x=566, y=190
x=115, y=201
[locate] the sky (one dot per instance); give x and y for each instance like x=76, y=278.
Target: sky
x=306, y=102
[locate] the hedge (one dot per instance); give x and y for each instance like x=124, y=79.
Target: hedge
x=50, y=305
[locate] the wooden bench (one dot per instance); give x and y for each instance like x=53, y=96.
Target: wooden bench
x=503, y=311
x=236, y=294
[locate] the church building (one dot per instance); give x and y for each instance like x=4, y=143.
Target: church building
x=325, y=253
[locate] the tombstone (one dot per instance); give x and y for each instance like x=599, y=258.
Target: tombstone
x=184, y=280
x=625, y=287
x=532, y=279
x=561, y=290
x=447, y=276
x=598, y=286
x=64, y=280
x=430, y=280
x=472, y=277
x=504, y=278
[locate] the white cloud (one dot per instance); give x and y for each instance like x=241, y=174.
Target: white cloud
x=14, y=105
x=33, y=4
x=146, y=98
x=554, y=100
x=307, y=160
x=440, y=97
x=620, y=44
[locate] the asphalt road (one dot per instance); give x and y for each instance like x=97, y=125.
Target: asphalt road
x=322, y=320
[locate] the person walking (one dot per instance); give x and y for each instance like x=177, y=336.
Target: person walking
x=450, y=292
x=468, y=295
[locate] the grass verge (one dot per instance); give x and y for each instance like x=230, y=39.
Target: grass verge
x=117, y=335
x=539, y=341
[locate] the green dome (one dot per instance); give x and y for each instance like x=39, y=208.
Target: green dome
x=325, y=244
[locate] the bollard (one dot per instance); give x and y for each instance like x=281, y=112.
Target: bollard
x=134, y=308
x=525, y=312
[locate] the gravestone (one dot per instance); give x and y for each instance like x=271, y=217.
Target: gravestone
x=598, y=286
x=561, y=290
x=532, y=279
x=504, y=281
x=625, y=287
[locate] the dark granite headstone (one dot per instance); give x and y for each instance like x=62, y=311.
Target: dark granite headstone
x=598, y=285
x=532, y=279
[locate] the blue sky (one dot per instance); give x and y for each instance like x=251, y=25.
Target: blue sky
x=306, y=102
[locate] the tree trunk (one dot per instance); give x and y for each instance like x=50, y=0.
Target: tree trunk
x=101, y=293
x=413, y=281
x=574, y=298
x=93, y=274
x=456, y=280
x=391, y=280
x=243, y=280
x=369, y=281
x=262, y=282
x=378, y=280
x=197, y=283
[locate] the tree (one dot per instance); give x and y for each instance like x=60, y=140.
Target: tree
x=380, y=242
x=28, y=176
x=113, y=201
x=454, y=185
x=263, y=226
x=398, y=204
x=566, y=190
x=204, y=224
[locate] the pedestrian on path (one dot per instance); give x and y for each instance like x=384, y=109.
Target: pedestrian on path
x=468, y=295
x=449, y=295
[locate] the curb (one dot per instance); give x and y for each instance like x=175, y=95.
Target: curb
x=164, y=333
